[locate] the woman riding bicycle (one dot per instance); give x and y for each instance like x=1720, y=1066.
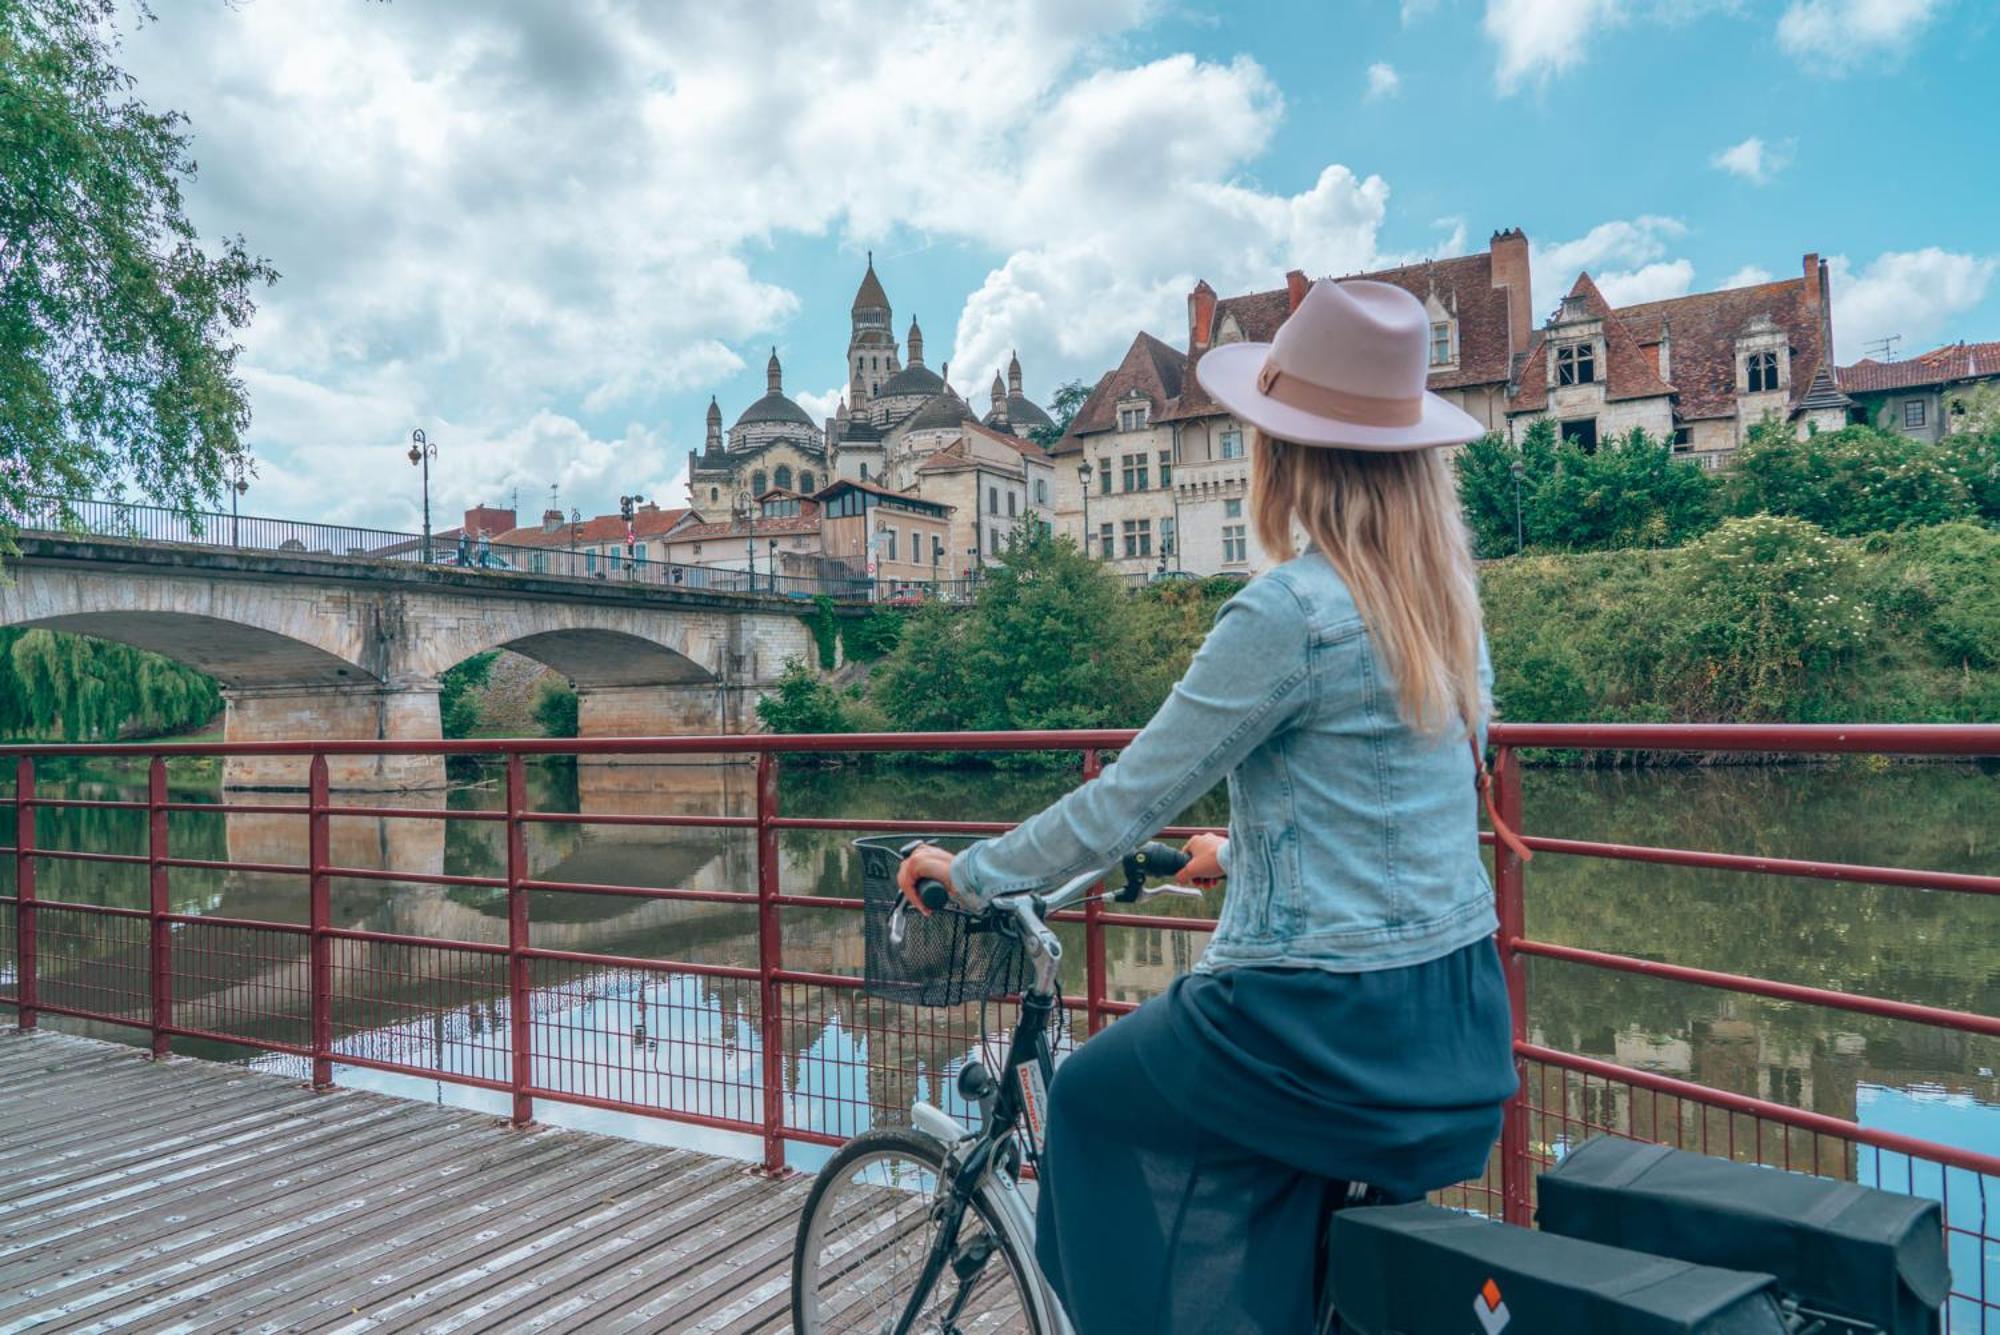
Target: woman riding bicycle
x=1349, y=1021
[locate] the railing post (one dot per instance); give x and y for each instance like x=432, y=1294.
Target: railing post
x=1093, y=933
x=1516, y=1169
x=26, y=994
x=770, y=959
x=319, y=895
x=159, y=931
x=519, y=981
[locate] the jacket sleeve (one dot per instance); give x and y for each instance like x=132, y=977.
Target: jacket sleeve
x=1248, y=681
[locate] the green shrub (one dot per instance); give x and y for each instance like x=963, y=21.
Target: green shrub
x=802, y=702
x=458, y=711
x=555, y=707
x=1631, y=492
x=867, y=638
x=1848, y=482
x=825, y=628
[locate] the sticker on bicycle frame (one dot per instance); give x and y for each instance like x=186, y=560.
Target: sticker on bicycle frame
x=1034, y=1102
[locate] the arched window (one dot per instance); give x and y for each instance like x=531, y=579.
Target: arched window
x=714, y=495
x=1761, y=369
x=806, y=481
x=864, y=470
x=783, y=478
x=757, y=483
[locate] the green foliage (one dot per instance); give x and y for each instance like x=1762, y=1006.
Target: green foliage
x=1063, y=408
x=802, y=702
x=867, y=638
x=79, y=689
x=555, y=707
x=117, y=350
x=1631, y=492
x=1974, y=459
x=825, y=630
x=1849, y=482
x=458, y=711
x=1949, y=591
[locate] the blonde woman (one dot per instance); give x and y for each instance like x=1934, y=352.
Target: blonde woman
x=1348, y=1022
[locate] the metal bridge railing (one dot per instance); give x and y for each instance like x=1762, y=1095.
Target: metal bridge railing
x=795, y=1055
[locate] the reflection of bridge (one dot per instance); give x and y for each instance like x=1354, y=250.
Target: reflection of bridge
x=340, y=648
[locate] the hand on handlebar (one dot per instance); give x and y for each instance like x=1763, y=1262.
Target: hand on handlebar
x=925, y=865
x=1204, y=860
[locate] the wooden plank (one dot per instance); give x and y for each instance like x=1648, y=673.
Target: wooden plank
x=186, y=1196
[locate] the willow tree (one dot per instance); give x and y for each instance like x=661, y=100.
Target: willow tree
x=117, y=325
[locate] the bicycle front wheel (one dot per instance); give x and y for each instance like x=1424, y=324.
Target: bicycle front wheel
x=867, y=1231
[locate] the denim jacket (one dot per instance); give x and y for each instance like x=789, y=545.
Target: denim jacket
x=1353, y=839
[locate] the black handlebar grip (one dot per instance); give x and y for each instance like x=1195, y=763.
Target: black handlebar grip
x=1158, y=859
x=933, y=893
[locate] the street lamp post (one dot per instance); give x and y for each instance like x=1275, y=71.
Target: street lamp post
x=575, y=532
x=421, y=454
x=746, y=510
x=1517, y=469
x=771, y=566
x=1083, y=482
x=239, y=482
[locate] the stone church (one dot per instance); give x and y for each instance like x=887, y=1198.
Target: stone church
x=893, y=415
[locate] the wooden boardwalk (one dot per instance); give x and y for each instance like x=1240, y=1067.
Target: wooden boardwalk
x=190, y=1196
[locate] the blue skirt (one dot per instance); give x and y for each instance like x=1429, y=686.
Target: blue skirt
x=1193, y=1144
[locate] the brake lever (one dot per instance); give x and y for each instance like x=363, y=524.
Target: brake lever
x=1184, y=891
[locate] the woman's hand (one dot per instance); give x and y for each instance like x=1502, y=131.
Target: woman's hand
x=925, y=862
x=1204, y=860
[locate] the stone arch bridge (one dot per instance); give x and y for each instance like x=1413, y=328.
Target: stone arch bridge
x=315, y=648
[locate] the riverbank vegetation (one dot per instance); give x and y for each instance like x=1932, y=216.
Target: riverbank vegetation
x=71, y=688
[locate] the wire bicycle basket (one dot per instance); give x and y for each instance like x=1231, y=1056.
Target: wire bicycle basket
x=946, y=959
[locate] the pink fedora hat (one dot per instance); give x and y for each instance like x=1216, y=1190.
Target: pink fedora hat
x=1347, y=369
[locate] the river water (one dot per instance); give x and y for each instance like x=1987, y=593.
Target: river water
x=691, y=1042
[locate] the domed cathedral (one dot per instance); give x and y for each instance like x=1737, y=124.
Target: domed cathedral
x=774, y=445
x=1012, y=410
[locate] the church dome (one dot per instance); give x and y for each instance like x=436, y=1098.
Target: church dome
x=1024, y=411
x=915, y=378
x=774, y=406
x=941, y=412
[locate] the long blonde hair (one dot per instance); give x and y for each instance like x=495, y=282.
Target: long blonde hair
x=1389, y=523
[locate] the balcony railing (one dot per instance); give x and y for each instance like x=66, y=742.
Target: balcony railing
x=748, y=1046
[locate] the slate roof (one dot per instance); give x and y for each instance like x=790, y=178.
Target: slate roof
x=1939, y=366
x=870, y=296
x=1150, y=369
x=1702, y=329
x=912, y=379
x=942, y=410
x=1022, y=409
x=775, y=407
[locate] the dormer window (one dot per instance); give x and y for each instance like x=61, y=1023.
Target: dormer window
x=1132, y=416
x=1441, y=343
x=1760, y=370
x=1576, y=364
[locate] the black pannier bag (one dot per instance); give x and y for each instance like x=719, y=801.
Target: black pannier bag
x=1418, y=1270
x=1870, y=1256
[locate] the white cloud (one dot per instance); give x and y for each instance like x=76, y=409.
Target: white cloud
x=1626, y=258
x=1750, y=275
x=1539, y=39
x=1383, y=81
x=1754, y=160
x=1835, y=36
x=821, y=405
x=529, y=227
x=1913, y=293
x=1414, y=10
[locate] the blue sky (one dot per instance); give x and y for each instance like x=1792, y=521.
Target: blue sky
x=546, y=233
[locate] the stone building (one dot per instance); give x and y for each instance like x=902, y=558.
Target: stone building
x=783, y=533
x=1114, y=467
x=1699, y=370
x=997, y=485
x=599, y=544
x=774, y=445
x=1924, y=396
x=894, y=539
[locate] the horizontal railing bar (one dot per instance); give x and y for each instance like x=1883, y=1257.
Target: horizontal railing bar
x=252, y=924
x=422, y=1073
x=102, y=1017
x=821, y=902
x=240, y=808
x=639, y=962
x=807, y=978
x=1959, y=882
x=645, y=892
x=708, y=1120
x=1970, y=739
x=626, y=818
x=89, y=803
x=70, y=906
x=263, y=1044
x=404, y=939
x=1162, y=921
x=413, y=877
x=1971, y=1161
x=338, y=812
x=1914, y=1012
x=79, y=855
x=214, y=864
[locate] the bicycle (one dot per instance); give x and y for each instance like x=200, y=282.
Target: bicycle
x=912, y=1190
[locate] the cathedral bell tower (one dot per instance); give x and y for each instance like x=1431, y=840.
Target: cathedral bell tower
x=871, y=350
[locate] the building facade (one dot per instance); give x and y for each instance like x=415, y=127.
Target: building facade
x=898, y=541
x=1114, y=467
x=1926, y=397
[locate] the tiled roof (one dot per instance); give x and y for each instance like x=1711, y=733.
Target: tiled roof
x=647, y=522
x=1465, y=287
x=788, y=524
x=1701, y=332
x=1027, y=449
x=1150, y=368
x=1258, y=315
x=1629, y=371
x=1954, y=361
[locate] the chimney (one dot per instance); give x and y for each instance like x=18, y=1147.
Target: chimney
x=1667, y=351
x=1296, y=285
x=1201, y=316
x=551, y=520
x=1819, y=301
x=488, y=519
x=1510, y=270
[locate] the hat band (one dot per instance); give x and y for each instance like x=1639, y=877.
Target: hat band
x=1344, y=405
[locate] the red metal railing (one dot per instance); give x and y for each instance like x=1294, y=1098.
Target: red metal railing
x=790, y=1054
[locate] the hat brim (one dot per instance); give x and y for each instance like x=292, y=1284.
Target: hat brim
x=1229, y=374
